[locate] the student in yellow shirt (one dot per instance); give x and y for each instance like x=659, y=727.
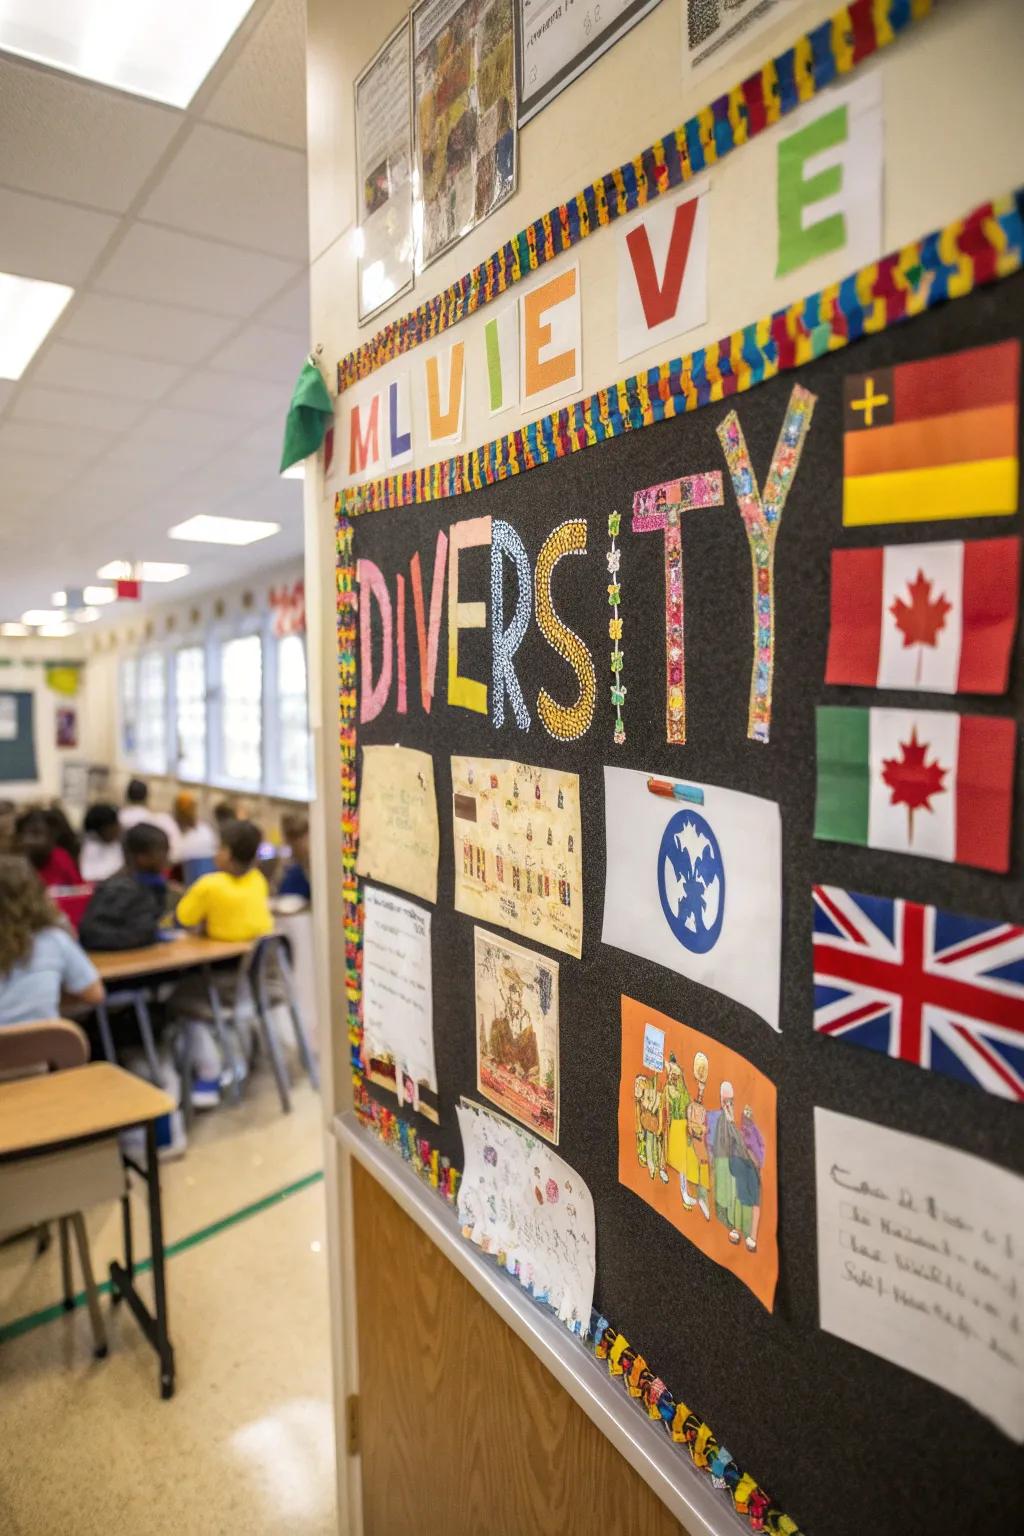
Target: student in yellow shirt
x=232, y=904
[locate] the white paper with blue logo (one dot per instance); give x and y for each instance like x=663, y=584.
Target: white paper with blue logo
x=696, y=887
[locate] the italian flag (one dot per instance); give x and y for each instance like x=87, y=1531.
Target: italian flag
x=917, y=781
x=937, y=617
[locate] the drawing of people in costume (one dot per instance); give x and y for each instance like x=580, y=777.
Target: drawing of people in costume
x=676, y=1099
x=725, y=1144
x=651, y=1124
x=695, y=1181
x=748, y=1179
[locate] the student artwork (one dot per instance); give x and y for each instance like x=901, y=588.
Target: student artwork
x=519, y=849
x=917, y=1260
x=693, y=881
x=398, y=1028
x=663, y=270
x=398, y=836
x=618, y=687
x=519, y=1201
x=697, y=1143
x=917, y=781
x=937, y=617
x=829, y=190
x=517, y=1032
x=67, y=727
x=933, y=439
x=923, y=985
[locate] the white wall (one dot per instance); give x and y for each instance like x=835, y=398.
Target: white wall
x=22, y=670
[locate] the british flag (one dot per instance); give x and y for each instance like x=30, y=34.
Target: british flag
x=922, y=985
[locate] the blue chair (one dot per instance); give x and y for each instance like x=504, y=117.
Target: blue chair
x=191, y=869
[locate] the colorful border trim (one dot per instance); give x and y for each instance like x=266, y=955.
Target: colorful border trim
x=824, y=54
x=618, y=687
x=980, y=248
x=345, y=577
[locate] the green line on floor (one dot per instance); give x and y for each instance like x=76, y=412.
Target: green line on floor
x=51, y=1314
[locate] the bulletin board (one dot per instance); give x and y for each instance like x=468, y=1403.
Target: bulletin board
x=812, y=1417
x=17, y=737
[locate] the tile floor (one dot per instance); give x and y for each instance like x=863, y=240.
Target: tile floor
x=247, y=1442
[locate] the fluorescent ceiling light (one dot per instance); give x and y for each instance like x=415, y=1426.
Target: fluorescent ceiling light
x=295, y=471
x=146, y=47
x=141, y=570
x=94, y=596
x=14, y=629
x=85, y=615
x=29, y=309
x=37, y=616
x=204, y=529
x=56, y=631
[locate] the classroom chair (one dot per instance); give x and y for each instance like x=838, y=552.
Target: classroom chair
x=192, y=869
x=273, y=982
x=59, y=1186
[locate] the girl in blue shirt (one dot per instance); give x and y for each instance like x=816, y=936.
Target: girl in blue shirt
x=39, y=961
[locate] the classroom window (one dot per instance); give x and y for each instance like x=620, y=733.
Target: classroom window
x=293, y=754
x=129, y=682
x=151, y=706
x=241, y=710
x=190, y=711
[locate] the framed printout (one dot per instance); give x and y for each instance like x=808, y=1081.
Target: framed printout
x=464, y=82
x=384, y=190
x=713, y=30
x=557, y=42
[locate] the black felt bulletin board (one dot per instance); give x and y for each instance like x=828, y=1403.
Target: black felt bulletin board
x=845, y=1442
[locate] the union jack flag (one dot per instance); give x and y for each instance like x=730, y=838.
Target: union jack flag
x=922, y=985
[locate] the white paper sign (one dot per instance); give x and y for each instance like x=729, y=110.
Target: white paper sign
x=520, y=1199
x=920, y=1260
x=696, y=886
x=397, y=991
x=8, y=717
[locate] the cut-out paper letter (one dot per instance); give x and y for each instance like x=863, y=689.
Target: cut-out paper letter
x=505, y=541
x=446, y=406
x=464, y=692
x=663, y=270
x=399, y=421
x=426, y=638
x=501, y=346
x=565, y=722
x=551, y=340
x=829, y=191
x=373, y=588
x=659, y=508
x=364, y=436
x=762, y=516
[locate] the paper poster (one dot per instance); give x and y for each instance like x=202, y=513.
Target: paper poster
x=398, y=1022
x=937, y=617
x=715, y=30
x=383, y=97
x=663, y=269
x=920, y=781
x=923, y=985
x=933, y=439
x=398, y=836
x=919, y=1260
x=8, y=717
x=697, y=1142
x=465, y=91
x=517, y=1031
x=519, y=849
x=829, y=189
x=557, y=42
x=519, y=1201
x=693, y=880
x=67, y=727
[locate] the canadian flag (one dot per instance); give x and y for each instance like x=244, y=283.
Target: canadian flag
x=663, y=270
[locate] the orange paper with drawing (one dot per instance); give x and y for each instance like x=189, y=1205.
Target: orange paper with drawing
x=697, y=1142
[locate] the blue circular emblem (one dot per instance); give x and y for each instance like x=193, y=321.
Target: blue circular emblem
x=691, y=881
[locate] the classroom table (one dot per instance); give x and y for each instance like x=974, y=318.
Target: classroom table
x=64, y=1110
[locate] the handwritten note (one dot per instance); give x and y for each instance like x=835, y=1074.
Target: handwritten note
x=398, y=837
x=921, y=1260
x=398, y=1025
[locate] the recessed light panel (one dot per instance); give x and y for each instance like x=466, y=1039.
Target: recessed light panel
x=29, y=309
x=95, y=597
x=148, y=47
x=204, y=529
x=140, y=570
x=14, y=629
x=37, y=616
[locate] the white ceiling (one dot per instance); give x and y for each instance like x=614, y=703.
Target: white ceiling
x=162, y=390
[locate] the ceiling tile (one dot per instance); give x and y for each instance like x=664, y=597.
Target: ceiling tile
x=228, y=394
x=106, y=373
x=222, y=184
x=261, y=352
x=152, y=263
x=165, y=332
x=167, y=424
x=65, y=138
x=71, y=446
x=50, y=240
x=163, y=460
x=37, y=402
x=290, y=311
x=264, y=92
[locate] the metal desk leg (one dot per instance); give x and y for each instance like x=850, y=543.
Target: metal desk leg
x=106, y=1034
x=259, y=973
x=122, y=1283
x=145, y=1024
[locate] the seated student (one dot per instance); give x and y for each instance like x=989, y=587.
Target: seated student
x=196, y=839
x=40, y=964
x=102, y=854
x=232, y=904
x=295, y=880
x=35, y=838
x=125, y=911
x=136, y=810
x=223, y=812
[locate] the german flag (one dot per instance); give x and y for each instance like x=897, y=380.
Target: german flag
x=935, y=439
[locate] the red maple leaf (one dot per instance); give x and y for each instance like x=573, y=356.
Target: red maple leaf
x=920, y=620
x=912, y=780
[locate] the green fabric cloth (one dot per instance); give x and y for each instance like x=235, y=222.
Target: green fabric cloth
x=309, y=415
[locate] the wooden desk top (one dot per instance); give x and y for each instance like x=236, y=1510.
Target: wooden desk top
x=83, y=1102
x=173, y=955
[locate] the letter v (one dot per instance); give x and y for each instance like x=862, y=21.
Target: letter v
x=661, y=300
x=427, y=641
